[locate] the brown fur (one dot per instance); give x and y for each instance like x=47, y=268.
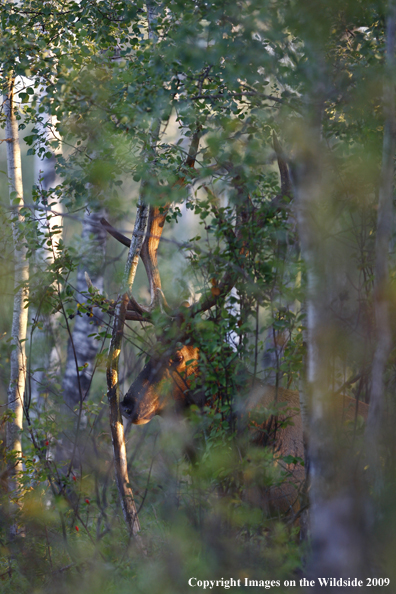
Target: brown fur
x=164, y=383
x=284, y=432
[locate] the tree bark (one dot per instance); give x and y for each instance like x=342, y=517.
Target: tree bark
x=16, y=390
x=116, y=425
x=44, y=352
x=381, y=272
x=337, y=508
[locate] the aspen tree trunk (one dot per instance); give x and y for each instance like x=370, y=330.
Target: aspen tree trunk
x=45, y=354
x=337, y=512
x=16, y=388
x=384, y=232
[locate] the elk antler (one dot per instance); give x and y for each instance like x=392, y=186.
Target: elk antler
x=155, y=226
x=156, y=220
x=116, y=234
x=148, y=254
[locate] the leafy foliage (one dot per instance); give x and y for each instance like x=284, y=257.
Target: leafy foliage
x=122, y=96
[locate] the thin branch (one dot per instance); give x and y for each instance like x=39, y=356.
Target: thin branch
x=116, y=426
x=116, y=234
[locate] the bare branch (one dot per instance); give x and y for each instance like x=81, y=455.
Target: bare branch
x=116, y=234
x=116, y=426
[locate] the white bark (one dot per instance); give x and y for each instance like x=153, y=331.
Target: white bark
x=336, y=513
x=45, y=354
x=16, y=388
x=136, y=243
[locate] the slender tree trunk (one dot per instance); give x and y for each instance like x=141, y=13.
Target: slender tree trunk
x=16, y=388
x=44, y=351
x=337, y=507
x=116, y=425
x=305, y=420
x=384, y=231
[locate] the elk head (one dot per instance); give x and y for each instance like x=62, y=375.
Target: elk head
x=164, y=382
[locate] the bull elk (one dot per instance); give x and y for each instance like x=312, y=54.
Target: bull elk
x=272, y=415
x=165, y=382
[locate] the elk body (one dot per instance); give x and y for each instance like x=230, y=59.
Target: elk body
x=272, y=416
